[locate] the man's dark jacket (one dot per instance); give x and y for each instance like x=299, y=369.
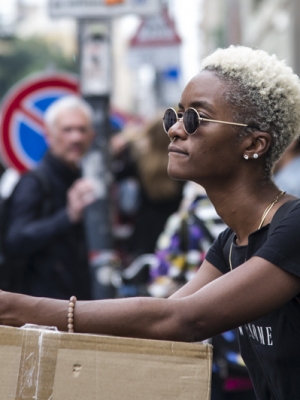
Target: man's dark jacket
x=58, y=265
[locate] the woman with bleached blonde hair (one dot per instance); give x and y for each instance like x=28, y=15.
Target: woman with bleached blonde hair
x=234, y=120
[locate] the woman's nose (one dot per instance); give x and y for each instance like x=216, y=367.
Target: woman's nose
x=177, y=130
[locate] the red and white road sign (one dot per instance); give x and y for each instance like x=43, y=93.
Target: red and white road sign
x=156, y=31
x=156, y=42
x=22, y=138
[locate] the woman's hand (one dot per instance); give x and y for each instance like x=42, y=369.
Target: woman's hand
x=17, y=310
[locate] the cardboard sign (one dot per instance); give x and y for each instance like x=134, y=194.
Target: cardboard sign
x=42, y=364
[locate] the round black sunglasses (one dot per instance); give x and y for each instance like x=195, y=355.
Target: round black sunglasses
x=190, y=118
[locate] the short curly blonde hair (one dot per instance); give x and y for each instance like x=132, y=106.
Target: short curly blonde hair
x=264, y=93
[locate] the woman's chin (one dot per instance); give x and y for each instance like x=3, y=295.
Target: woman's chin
x=175, y=174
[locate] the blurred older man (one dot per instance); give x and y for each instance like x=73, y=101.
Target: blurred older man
x=46, y=209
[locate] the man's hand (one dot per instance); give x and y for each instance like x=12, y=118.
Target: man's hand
x=81, y=194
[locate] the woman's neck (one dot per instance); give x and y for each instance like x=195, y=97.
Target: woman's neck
x=241, y=207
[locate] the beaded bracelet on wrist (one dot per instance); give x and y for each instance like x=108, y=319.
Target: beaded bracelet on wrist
x=71, y=309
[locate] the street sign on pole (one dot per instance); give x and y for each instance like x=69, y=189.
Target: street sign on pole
x=85, y=9
x=95, y=58
x=95, y=78
x=155, y=42
x=156, y=31
x=22, y=137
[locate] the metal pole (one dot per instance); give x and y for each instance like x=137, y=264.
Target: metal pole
x=233, y=23
x=95, y=69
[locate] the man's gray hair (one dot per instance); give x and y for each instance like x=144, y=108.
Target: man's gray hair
x=71, y=102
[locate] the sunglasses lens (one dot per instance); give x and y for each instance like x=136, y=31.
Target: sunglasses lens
x=169, y=119
x=190, y=120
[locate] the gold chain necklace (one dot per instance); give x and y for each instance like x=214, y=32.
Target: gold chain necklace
x=265, y=213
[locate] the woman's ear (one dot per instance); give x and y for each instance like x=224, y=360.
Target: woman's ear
x=257, y=144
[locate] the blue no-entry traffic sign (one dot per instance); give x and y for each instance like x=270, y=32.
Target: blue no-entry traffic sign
x=22, y=137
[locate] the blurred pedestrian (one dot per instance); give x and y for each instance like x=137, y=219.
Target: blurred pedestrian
x=53, y=240
x=157, y=195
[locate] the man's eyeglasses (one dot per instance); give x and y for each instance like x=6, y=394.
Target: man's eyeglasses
x=190, y=118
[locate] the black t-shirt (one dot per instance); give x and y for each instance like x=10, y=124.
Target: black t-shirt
x=270, y=346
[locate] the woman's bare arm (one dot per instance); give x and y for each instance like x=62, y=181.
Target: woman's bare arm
x=205, y=274
x=250, y=291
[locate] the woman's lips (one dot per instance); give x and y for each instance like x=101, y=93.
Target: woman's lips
x=174, y=149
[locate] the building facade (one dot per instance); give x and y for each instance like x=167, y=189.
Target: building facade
x=271, y=25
